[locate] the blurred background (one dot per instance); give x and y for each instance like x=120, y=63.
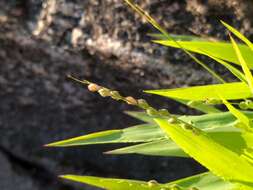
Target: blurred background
x=105, y=42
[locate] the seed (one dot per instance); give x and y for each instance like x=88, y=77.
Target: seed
x=131, y=101
x=143, y=103
x=104, y=92
x=250, y=104
x=172, y=120
x=243, y=105
x=164, y=112
x=151, y=112
x=186, y=126
x=94, y=87
x=115, y=95
x=152, y=183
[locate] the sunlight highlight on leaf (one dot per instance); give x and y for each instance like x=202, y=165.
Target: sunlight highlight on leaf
x=243, y=63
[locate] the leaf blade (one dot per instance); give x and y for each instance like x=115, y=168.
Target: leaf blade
x=230, y=91
x=238, y=34
x=221, y=50
x=112, y=184
x=243, y=63
x=229, y=165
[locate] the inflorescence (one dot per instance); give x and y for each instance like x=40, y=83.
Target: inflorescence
x=141, y=103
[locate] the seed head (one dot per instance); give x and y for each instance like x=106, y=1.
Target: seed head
x=94, y=87
x=131, y=101
x=104, y=92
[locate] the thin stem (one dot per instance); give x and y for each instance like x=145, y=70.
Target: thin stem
x=154, y=23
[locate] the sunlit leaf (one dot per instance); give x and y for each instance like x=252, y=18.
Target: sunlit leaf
x=176, y=37
x=245, y=122
x=243, y=63
x=231, y=68
x=233, y=140
x=139, y=133
x=229, y=91
x=228, y=165
x=164, y=147
x=221, y=50
x=114, y=184
x=238, y=34
x=140, y=115
x=151, y=132
x=205, y=181
x=199, y=105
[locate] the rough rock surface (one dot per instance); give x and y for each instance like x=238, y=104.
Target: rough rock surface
x=104, y=41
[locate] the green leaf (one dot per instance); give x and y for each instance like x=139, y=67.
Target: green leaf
x=198, y=105
x=233, y=140
x=228, y=165
x=221, y=50
x=176, y=37
x=151, y=132
x=231, y=68
x=238, y=34
x=114, y=184
x=205, y=181
x=230, y=91
x=164, y=147
x=139, y=133
x=140, y=115
x=243, y=63
x=245, y=122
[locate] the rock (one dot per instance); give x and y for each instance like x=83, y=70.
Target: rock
x=11, y=179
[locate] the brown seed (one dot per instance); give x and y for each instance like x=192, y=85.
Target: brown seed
x=130, y=100
x=94, y=87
